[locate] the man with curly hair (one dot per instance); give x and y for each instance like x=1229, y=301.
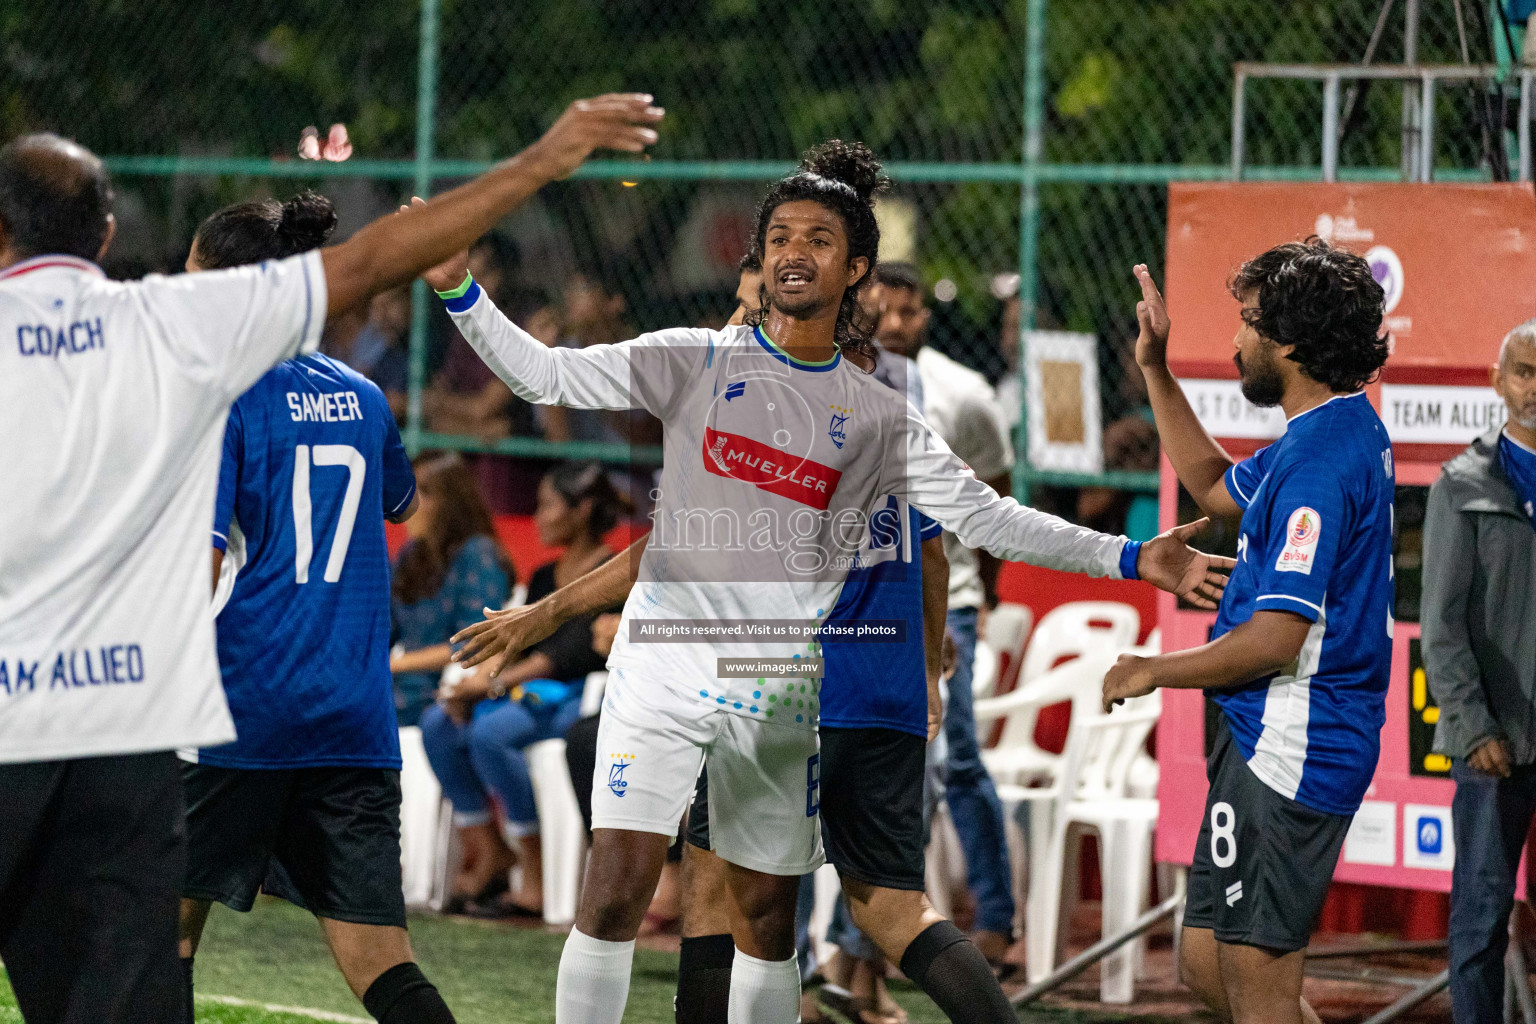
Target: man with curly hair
x=1301, y=652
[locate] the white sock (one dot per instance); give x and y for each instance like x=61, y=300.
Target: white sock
x=593, y=984
x=764, y=991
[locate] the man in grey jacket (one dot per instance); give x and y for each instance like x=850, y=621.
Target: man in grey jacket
x=1480, y=654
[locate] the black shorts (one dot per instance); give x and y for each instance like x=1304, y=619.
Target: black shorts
x=325, y=839
x=871, y=806
x=1263, y=862
x=91, y=857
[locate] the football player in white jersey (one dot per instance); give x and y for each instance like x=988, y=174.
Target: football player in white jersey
x=773, y=450
x=113, y=399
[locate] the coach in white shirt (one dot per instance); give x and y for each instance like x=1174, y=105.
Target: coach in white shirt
x=963, y=410
x=112, y=406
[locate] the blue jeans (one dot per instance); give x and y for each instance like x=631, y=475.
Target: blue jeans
x=805, y=905
x=973, y=803
x=486, y=756
x=1489, y=819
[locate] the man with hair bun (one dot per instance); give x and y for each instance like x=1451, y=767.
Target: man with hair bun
x=1480, y=656
x=305, y=803
x=1302, y=647
x=776, y=450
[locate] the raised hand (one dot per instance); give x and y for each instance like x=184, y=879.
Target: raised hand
x=1169, y=563
x=619, y=121
x=1152, y=316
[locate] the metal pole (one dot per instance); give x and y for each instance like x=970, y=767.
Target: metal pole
x=1239, y=116
x=1412, y=1000
x=1427, y=131
x=1523, y=134
x=426, y=116
x=1099, y=950
x=1410, y=99
x=1029, y=219
x=1331, y=128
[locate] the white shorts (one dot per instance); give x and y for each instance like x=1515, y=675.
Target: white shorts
x=764, y=779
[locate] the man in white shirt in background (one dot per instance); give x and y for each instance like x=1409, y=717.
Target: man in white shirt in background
x=113, y=399
x=964, y=411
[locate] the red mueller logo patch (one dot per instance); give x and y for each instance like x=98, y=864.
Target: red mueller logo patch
x=770, y=469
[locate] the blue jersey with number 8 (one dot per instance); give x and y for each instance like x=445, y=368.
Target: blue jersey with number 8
x=1316, y=542
x=312, y=466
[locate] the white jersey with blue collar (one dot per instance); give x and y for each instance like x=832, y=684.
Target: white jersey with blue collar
x=771, y=467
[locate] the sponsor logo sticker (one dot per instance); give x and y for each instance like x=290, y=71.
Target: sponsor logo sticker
x=1301, y=534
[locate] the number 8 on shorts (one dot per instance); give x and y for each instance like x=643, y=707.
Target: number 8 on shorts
x=1223, y=838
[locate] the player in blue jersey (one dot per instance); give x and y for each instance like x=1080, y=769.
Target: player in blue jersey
x=1301, y=651
x=305, y=803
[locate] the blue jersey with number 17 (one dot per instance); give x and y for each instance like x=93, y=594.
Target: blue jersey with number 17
x=312, y=466
x=1316, y=542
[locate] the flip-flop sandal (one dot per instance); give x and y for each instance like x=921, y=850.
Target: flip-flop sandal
x=500, y=910
x=856, y=1009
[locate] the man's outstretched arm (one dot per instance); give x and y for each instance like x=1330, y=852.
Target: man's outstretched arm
x=395, y=249
x=509, y=632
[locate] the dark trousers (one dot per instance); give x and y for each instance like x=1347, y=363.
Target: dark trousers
x=92, y=853
x=1489, y=818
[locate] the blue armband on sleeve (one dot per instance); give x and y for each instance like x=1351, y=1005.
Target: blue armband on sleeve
x=461, y=298
x=1128, y=556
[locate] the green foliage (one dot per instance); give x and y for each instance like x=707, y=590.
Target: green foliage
x=1127, y=82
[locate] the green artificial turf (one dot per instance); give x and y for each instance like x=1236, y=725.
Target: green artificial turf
x=489, y=974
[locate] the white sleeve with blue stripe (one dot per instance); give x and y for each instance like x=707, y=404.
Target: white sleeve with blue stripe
x=647, y=373
x=939, y=485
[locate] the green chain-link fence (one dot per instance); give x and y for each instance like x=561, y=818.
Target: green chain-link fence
x=1031, y=140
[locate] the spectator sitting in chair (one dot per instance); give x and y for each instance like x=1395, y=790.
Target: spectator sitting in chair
x=450, y=570
x=476, y=733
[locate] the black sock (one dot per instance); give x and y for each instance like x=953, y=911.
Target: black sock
x=943, y=963
x=403, y=995
x=186, y=971
x=704, y=980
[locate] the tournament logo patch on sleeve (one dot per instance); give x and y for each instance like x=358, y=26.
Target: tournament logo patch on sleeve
x=1301, y=534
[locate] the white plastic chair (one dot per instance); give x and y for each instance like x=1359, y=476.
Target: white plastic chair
x=1094, y=777
x=1007, y=629
x=422, y=818
x=1032, y=784
x=828, y=887
x=562, y=835
x=1144, y=772
x=1068, y=631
